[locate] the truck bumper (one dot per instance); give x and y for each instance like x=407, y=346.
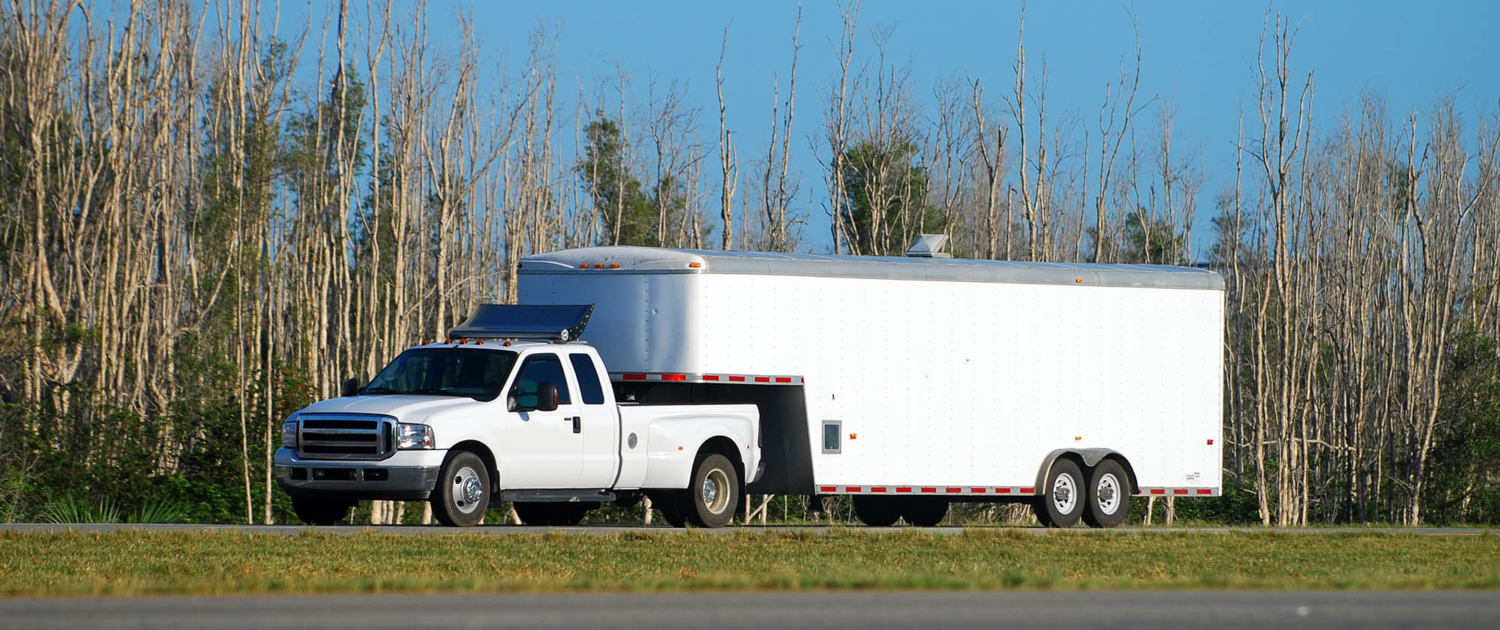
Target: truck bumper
x=405, y=476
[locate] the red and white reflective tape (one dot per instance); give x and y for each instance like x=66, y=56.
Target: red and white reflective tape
x=1178, y=492
x=931, y=490
x=734, y=379
x=999, y=491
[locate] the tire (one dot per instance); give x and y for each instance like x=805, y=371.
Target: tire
x=924, y=511
x=713, y=492
x=553, y=514
x=1063, y=499
x=1109, y=495
x=876, y=511
x=320, y=511
x=462, y=494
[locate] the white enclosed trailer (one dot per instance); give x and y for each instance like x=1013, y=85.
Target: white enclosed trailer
x=925, y=380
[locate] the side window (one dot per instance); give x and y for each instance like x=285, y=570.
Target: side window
x=540, y=368
x=588, y=379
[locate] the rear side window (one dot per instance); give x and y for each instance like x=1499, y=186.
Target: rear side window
x=588, y=379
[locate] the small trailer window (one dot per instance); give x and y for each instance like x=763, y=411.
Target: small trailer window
x=831, y=432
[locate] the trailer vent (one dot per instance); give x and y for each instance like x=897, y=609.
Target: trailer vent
x=928, y=246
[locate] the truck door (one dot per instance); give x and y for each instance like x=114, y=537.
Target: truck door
x=541, y=448
x=599, y=424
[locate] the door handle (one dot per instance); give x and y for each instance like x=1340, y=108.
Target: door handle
x=578, y=424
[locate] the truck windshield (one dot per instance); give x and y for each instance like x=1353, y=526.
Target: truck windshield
x=470, y=372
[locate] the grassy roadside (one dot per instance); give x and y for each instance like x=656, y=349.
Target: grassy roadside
x=136, y=563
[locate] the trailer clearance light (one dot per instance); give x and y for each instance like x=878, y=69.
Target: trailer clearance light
x=695, y=265
x=413, y=437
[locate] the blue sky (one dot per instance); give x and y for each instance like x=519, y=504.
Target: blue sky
x=1199, y=57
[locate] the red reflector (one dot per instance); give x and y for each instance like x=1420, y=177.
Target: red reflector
x=977, y=490
x=736, y=379
x=783, y=379
x=710, y=377
x=674, y=377
x=903, y=489
x=929, y=489
x=953, y=490
x=878, y=489
x=852, y=489
x=828, y=489
x=634, y=377
x=1158, y=491
x=1003, y=490
x=1180, y=491
x=762, y=379
x=1027, y=490
x=1210, y=442
x=1205, y=491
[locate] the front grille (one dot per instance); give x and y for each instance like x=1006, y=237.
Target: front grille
x=345, y=437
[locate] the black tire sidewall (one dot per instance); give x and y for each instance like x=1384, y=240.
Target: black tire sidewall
x=697, y=511
x=1058, y=519
x=876, y=511
x=319, y=511
x=444, y=508
x=924, y=511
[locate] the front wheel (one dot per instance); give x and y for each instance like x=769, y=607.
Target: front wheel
x=463, y=492
x=713, y=492
x=320, y=511
x=1063, y=498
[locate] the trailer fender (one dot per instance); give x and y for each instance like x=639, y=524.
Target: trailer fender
x=1090, y=458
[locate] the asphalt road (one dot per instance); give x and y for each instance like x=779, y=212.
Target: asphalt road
x=601, y=530
x=730, y=611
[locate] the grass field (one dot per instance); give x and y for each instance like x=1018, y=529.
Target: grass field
x=136, y=563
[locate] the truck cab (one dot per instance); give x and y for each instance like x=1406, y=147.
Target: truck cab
x=491, y=415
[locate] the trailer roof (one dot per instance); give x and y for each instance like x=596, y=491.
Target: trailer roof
x=658, y=260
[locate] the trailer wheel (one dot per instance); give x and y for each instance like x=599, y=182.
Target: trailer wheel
x=713, y=493
x=1062, y=500
x=463, y=491
x=876, y=511
x=320, y=511
x=924, y=511
x=1109, y=495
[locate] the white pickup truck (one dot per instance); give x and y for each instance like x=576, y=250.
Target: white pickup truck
x=514, y=408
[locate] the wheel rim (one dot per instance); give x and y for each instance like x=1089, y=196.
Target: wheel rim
x=1064, y=494
x=1108, y=494
x=716, y=491
x=468, y=492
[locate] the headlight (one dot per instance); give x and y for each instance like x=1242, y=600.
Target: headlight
x=289, y=433
x=413, y=436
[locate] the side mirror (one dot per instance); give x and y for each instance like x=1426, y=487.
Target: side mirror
x=350, y=388
x=546, y=397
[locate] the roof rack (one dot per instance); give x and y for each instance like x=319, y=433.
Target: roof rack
x=556, y=323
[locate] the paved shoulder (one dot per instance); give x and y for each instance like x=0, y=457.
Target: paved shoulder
x=729, y=611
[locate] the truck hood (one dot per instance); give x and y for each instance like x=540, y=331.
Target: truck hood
x=416, y=409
